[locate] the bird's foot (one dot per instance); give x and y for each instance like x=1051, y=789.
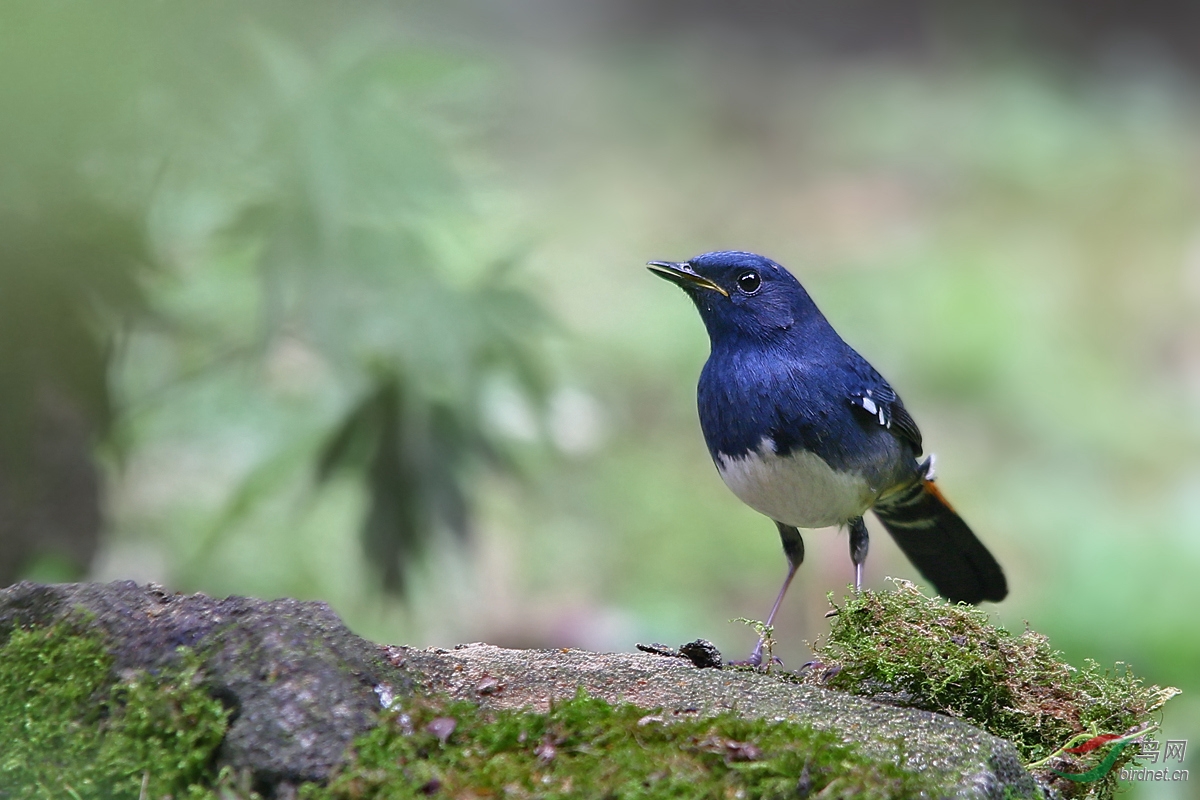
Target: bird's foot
x=755, y=660
x=819, y=669
x=752, y=661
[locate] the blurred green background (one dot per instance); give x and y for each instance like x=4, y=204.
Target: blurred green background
x=348, y=304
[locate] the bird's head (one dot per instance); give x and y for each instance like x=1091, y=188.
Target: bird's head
x=741, y=296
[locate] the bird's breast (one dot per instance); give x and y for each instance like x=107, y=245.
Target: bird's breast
x=798, y=488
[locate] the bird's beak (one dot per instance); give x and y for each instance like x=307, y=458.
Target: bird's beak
x=681, y=273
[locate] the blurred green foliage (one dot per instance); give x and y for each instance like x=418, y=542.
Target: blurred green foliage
x=297, y=197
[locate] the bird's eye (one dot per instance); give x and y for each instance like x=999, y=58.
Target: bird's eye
x=749, y=282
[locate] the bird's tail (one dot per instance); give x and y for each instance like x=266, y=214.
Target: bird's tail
x=940, y=545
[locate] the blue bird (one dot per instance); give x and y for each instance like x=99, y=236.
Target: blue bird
x=804, y=430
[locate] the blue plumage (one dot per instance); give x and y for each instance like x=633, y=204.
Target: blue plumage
x=804, y=430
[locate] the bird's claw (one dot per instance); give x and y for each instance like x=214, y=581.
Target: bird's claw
x=755, y=660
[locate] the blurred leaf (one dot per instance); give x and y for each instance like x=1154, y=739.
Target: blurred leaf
x=351, y=180
x=412, y=454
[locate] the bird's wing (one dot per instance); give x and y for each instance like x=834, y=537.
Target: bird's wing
x=879, y=400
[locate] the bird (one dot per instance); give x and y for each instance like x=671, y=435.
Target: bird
x=805, y=431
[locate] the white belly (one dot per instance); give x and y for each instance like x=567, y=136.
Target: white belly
x=798, y=489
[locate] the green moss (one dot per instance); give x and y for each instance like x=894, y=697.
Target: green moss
x=71, y=729
x=905, y=648
x=587, y=748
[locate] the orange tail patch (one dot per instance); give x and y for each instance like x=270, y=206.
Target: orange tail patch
x=931, y=487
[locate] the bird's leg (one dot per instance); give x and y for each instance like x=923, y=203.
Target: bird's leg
x=859, y=542
x=793, y=548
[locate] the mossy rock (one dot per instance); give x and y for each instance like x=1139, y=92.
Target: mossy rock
x=956, y=757
x=915, y=651
x=587, y=748
x=298, y=685
x=70, y=729
x=285, y=699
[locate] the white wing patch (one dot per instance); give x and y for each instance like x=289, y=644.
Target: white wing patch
x=867, y=402
x=798, y=489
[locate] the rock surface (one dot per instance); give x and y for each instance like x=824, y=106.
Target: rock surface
x=967, y=760
x=302, y=686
